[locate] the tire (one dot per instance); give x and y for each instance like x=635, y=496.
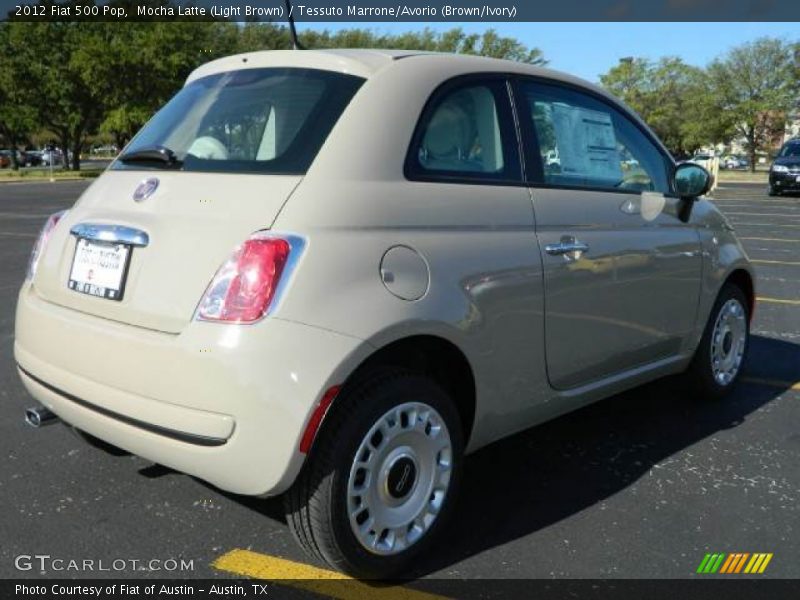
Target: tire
x=418, y=423
x=771, y=191
x=730, y=319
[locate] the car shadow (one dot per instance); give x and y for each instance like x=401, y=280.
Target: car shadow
x=536, y=478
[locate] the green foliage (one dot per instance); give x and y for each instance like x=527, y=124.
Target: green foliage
x=745, y=94
x=674, y=100
x=267, y=36
x=17, y=117
x=758, y=82
x=54, y=76
x=75, y=79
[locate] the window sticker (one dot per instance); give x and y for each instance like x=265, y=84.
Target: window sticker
x=587, y=145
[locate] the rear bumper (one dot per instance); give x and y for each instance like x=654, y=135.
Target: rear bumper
x=225, y=403
x=187, y=431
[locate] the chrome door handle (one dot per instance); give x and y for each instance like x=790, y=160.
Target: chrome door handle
x=110, y=233
x=565, y=247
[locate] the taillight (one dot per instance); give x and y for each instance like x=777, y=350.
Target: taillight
x=41, y=242
x=245, y=286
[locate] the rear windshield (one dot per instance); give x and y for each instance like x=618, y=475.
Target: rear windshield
x=247, y=121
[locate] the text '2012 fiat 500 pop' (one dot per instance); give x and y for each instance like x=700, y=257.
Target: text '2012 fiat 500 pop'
x=330, y=274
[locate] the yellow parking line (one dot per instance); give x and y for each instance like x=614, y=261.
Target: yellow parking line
x=776, y=262
x=777, y=383
x=777, y=300
x=760, y=239
x=312, y=579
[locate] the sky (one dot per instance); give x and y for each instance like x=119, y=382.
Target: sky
x=590, y=49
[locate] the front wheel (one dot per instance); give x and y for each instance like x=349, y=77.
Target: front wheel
x=382, y=476
x=771, y=191
x=718, y=361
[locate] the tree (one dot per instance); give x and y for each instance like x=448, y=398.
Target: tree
x=77, y=76
x=80, y=77
x=140, y=77
x=123, y=122
x=757, y=84
x=55, y=76
x=630, y=81
x=673, y=98
x=268, y=36
x=17, y=117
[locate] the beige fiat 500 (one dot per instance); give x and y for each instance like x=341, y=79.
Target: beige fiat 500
x=331, y=274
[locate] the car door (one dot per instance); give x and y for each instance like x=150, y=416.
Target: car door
x=621, y=269
x=466, y=208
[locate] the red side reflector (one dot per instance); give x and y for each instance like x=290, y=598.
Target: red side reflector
x=316, y=418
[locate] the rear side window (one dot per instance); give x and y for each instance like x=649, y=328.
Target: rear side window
x=466, y=134
x=252, y=120
x=584, y=142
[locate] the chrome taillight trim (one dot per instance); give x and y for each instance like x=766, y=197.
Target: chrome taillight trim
x=297, y=245
x=41, y=242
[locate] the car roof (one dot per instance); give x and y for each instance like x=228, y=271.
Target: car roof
x=362, y=63
x=367, y=62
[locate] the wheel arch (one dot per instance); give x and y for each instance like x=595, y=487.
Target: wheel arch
x=429, y=355
x=744, y=280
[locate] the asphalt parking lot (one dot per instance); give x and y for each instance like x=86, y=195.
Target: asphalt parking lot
x=642, y=485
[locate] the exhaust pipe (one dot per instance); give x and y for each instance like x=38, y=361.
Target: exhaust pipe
x=39, y=416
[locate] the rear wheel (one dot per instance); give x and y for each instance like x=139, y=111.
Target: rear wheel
x=718, y=361
x=382, y=476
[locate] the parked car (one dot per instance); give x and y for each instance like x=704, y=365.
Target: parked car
x=5, y=159
x=52, y=156
x=704, y=160
x=32, y=158
x=784, y=174
x=105, y=150
x=734, y=162
x=313, y=306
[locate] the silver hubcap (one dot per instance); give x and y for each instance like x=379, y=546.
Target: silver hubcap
x=399, y=478
x=728, y=341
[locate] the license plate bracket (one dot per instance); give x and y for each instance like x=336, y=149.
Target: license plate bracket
x=100, y=268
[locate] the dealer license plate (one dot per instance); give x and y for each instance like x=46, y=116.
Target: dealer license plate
x=99, y=268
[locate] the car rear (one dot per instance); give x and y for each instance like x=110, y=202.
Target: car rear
x=150, y=314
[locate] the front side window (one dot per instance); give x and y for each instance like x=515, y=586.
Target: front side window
x=271, y=120
x=466, y=133
x=583, y=142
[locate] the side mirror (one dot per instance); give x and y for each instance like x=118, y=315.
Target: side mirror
x=690, y=180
